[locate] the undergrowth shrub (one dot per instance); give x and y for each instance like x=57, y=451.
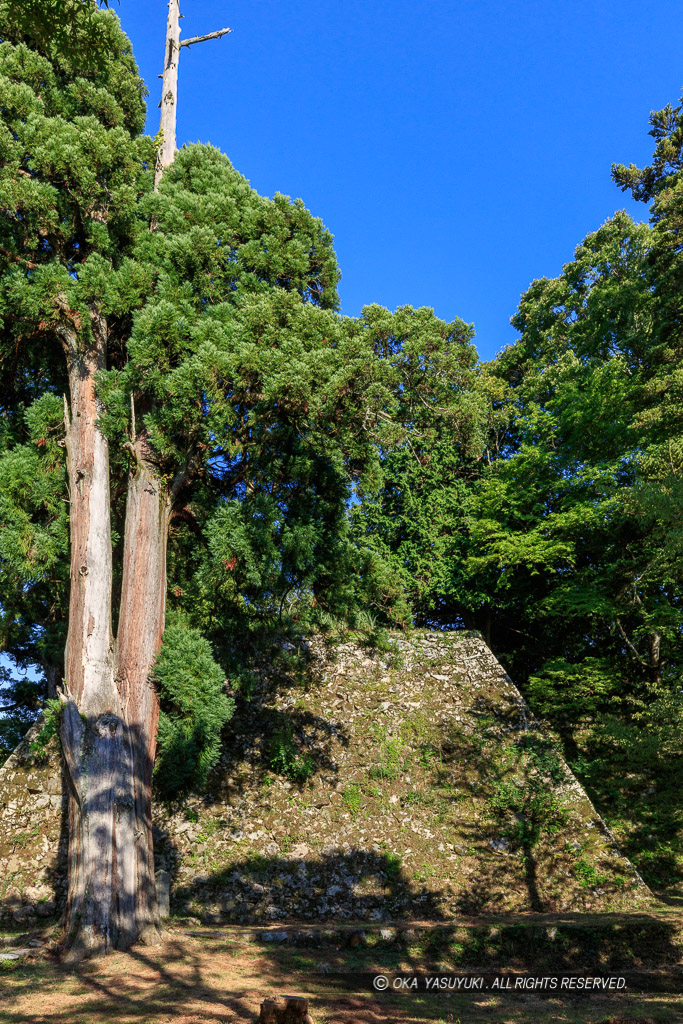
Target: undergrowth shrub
x=390, y=758
x=194, y=710
x=49, y=729
x=522, y=799
x=286, y=758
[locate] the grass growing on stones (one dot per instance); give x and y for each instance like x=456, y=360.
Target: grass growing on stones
x=432, y=766
x=359, y=785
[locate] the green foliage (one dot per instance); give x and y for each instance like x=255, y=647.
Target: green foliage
x=194, y=710
x=34, y=537
x=390, y=758
x=662, y=174
x=286, y=758
x=587, y=874
x=412, y=529
x=574, y=533
x=522, y=800
x=568, y=692
x=34, y=566
x=352, y=798
x=66, y=27
x=250, y=386
x=50, y=728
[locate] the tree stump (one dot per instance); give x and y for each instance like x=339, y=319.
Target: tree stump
x=287, y=1010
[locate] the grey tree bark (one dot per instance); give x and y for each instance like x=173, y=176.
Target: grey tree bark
x=96, y=741
x=169, y=93
x=110, y=706
x=169, y=86
x=142, y=619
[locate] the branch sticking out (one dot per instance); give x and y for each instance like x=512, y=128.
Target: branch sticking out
x=132, y=451
x=132, y=418
x=202, y=39
x=630, y=646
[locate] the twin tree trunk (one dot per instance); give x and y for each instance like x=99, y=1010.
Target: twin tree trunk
x=110, y=708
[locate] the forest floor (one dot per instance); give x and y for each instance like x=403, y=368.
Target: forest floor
x=216, y=976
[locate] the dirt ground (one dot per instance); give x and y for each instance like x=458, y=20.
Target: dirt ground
x=212, y=977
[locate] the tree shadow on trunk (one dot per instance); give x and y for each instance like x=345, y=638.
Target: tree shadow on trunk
x=111, y=899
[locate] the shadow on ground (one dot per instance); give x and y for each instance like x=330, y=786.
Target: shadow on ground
x=215, y=977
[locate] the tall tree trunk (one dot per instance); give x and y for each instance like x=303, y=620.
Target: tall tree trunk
x=110, y=711
x=141, y=624
x=89, y=652
x=169, y=93
x=95, y=739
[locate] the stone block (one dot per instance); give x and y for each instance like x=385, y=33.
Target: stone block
x=163, y=880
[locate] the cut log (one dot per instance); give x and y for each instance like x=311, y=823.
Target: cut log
x=286, y=1010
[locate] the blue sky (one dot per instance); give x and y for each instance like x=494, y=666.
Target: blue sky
x=456, y=150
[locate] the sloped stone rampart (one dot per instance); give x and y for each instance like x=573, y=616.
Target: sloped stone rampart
x=411, y=784
x=32, y=848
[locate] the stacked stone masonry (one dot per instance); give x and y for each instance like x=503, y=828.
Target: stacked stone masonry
x=407, y=784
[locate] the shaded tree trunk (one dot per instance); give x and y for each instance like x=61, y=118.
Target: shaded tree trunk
x=656, y=662
x=141, y=625
x=111, y=709
x=110, y=712
x=53, y=678
x=95, y=740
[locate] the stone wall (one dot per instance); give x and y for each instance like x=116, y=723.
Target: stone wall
x=31, y=851
x=411, y=784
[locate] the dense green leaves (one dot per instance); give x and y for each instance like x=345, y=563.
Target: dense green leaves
x=586, y=597
x=259, y=402
x=73, y=167
x=68, y=28
x=324, y=468
x=194, y=709
x=434, y=435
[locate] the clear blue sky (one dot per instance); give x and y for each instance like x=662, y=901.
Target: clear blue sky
x=456, y=149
